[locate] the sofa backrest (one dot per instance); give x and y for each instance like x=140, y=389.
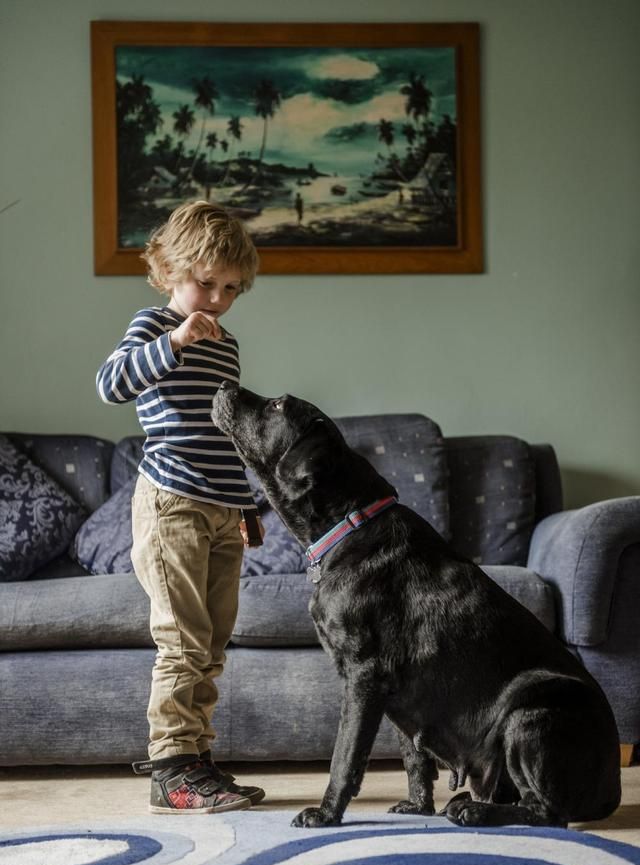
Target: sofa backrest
x=407, y=449
x=442, y=479
x=458, y=484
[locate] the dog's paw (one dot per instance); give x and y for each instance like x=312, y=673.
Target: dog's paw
x=407, y=807
x=463, y=811
x=312, y=818
x=455, y=804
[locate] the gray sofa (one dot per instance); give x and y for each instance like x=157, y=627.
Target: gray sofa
x=76, y=655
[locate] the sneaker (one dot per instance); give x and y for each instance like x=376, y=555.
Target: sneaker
x=227, y=781
x=192, y=789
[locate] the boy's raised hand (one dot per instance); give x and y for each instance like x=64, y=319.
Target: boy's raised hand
x=199, y=325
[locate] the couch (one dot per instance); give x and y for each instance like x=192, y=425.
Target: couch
x=75, y=649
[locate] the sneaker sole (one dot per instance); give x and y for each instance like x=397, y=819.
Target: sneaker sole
x=238, y=805
x=256, y=797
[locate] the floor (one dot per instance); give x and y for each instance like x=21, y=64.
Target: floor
x=53, y=795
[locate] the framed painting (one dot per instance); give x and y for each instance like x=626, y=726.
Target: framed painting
x=345, y=148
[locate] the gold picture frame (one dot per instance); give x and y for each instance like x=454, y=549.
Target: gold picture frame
x=347, y=148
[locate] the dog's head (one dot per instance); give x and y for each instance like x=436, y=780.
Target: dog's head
x=281, y=438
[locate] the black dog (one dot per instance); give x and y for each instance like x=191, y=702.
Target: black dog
x=468, y=676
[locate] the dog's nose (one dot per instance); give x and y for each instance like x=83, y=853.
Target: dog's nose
x=226, y=384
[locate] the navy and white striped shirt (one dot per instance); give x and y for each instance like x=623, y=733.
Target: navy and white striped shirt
x=184, y=452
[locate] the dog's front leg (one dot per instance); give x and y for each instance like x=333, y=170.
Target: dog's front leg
x=361, y=713
x=421, y=772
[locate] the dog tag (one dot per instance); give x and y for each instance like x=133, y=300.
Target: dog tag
x=314, y=574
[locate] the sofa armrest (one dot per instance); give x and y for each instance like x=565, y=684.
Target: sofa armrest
x=578, y=552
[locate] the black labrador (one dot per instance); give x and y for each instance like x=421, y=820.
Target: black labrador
x=469, y=677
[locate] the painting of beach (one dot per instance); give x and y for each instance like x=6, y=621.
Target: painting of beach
x=309, y=145
x=345, y=148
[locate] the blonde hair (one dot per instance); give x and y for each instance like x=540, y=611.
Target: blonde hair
x=199, y=231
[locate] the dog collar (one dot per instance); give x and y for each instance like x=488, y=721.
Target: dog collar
x=353, y=521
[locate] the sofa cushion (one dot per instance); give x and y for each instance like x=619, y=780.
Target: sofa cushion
x=103, y=543
x=493, y=500
x=127, y=455
x=110, y=611
x=407, y=450
x=79, y=463
x=274, y=608
x=37, y=517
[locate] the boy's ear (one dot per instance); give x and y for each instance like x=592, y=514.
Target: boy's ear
x=309, y=455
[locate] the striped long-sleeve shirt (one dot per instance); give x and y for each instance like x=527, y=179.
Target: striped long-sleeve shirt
x=184, y=452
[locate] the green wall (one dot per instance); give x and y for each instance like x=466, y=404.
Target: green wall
x=544, y=345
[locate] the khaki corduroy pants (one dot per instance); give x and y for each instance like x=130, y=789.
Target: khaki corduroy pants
x=187, y=556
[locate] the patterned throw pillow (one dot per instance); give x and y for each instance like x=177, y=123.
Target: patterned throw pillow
x=37, y=517
x=103, y=544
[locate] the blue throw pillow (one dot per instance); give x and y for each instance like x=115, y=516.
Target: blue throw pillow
x=37, y=517
x=103, y=543
x=280, y=552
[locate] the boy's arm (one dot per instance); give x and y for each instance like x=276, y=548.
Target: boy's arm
x=141, y=359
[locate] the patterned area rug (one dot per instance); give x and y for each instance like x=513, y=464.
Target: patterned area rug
x=266, y=838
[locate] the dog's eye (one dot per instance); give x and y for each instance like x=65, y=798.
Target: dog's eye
x=277, y=404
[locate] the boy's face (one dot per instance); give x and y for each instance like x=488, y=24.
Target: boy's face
x=211, y=289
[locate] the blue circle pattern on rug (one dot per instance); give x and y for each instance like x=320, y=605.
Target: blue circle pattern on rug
x=353, y=844
x=505, y=846
x=140, y=848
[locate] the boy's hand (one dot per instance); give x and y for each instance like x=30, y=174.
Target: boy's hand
x=244, y=533
x=199, y=325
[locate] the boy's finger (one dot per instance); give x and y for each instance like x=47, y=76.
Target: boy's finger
x=216, y=330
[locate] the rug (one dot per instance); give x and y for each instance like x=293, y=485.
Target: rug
x=266, y=838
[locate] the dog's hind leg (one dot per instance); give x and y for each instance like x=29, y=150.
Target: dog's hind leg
x=464, y=811
x=362, y=710
x=421, y=772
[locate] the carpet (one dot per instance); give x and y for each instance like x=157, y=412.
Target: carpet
x=266, y=838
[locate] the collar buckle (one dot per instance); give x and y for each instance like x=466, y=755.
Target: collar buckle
x=356, y=515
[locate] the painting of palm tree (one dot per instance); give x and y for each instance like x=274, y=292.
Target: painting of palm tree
x=345, y=148
x=310, y=145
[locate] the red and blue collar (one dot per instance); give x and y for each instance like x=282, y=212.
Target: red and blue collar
x=353, y=521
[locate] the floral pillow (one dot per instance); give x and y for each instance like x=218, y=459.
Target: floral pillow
x=37, y=517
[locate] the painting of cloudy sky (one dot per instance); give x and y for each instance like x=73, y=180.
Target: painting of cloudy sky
x=311, y=146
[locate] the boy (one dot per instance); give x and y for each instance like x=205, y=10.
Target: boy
x=191, y=489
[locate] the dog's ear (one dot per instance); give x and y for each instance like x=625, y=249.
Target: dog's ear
x=309, y=455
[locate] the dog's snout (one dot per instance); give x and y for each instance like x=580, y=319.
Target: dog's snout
x=227, y=385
